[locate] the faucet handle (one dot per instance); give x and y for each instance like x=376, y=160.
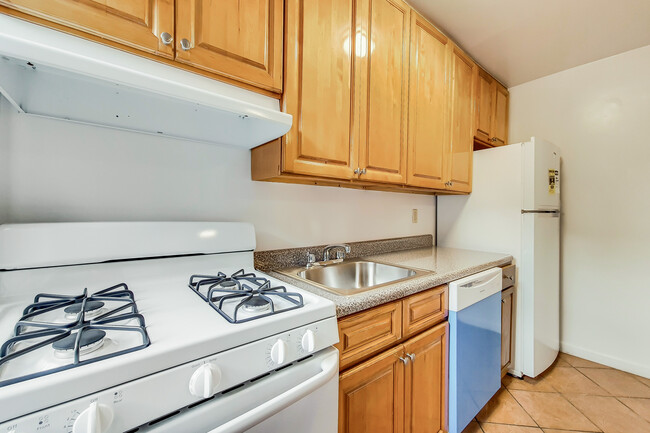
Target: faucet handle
x=311, y=259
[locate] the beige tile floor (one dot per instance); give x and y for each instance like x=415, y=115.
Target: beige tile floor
x=573, y=396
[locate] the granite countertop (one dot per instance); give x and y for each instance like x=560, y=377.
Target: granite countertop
x=448, y=264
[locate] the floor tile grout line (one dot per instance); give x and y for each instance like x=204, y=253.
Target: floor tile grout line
x=594, y=382
x=583, y=414
x=618, y=398
x=522, y=408
x=625, y=372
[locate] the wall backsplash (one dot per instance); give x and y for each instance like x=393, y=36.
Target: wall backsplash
x=62, y=171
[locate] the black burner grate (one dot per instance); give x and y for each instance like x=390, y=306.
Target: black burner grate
x=51, y=332
x=245, y=287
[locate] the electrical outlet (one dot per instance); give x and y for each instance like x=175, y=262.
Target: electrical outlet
x=414, y=216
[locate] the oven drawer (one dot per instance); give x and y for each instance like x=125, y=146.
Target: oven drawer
x=302, y=397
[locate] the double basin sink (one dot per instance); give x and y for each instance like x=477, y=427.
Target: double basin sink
x=353, y=276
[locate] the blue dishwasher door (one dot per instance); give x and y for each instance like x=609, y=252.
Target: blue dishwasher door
x=474, y=359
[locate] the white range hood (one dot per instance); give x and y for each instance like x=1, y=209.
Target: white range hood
x=47, y=73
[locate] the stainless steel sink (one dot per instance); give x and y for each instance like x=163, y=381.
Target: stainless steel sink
x=354, y=276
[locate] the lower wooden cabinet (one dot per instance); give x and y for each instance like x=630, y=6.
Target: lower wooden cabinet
x=403, y=389
x=507, y=305
x=425, y=394
x=371, y=395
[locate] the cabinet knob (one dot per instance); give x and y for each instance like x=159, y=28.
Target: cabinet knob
x=185, y=44
x=357, y=171
x=404, y=360
x=363, y=171
x=412, y=356
x=166, y=38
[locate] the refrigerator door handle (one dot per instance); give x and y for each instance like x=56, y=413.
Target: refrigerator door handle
x=555, y=212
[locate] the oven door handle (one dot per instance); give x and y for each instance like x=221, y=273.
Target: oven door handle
x=329, y=367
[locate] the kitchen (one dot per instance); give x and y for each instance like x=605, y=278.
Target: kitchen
x=54, y=170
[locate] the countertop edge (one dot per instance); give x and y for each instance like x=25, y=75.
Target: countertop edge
x=346, y=305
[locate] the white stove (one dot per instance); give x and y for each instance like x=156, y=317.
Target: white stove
x=113, y=327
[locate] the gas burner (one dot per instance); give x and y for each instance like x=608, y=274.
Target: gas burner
x=92, y=309
x=89, y=341
x=75, y=326
x=256, y=304
x=244, y=293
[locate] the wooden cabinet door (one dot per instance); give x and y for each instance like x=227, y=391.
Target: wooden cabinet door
x=459, y=156
x=318, y=90
x=371, y=395
x=382, y=87
x=428, y=122
x=237, y=39
x=506, y=329
x=484, y=105
x=500, y=118
x=426, y=381
x=136, y=23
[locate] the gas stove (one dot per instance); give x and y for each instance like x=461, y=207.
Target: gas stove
x=244, y=296
x=57, y=332
x=74, y=340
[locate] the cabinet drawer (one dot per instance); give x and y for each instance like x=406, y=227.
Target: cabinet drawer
x=508, y=276
x=368, y=332
x=423, y=310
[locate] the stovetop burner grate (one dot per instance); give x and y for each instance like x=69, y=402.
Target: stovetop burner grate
x=48, y=332
x=255, y=295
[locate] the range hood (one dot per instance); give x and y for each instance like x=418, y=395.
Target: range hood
x=47, y=73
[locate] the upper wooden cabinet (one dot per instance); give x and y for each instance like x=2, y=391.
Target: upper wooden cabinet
x=428, y=122
x=491, y=110
x=242, y=40
x=319, y=68
x=231, y=40
x=484, y=105
x=462, y=121
x=382, y=48
x=136, y=23
x=500, y=122
x=347, y=88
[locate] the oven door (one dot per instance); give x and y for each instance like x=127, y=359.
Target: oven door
x=301, y=397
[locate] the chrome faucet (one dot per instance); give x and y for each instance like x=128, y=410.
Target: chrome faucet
x=339, y=254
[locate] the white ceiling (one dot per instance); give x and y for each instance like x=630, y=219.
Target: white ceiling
x=521, y=40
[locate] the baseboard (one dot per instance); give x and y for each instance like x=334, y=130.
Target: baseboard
x=620, y=364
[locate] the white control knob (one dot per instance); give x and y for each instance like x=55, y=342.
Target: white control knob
x=279, y=351
x=308, y=341
x=205, y=380
x=97, y=418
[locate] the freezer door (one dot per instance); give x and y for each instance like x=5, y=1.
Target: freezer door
x=540, y=175
x=539, y=291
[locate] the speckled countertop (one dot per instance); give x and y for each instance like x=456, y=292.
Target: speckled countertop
x=447, y=264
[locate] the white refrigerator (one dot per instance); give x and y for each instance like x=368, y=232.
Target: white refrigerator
x=514, y=208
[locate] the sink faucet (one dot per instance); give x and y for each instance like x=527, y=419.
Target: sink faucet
x=339, y=254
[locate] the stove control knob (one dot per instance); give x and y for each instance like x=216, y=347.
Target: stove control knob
x=279, y=352
x=97, y=418
x=308, y=342
x=205, y=380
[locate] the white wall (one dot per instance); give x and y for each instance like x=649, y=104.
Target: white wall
x=599, y=115
x=4, y=159
x=62, y=171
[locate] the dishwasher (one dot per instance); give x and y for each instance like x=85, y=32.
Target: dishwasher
x=474, y=345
